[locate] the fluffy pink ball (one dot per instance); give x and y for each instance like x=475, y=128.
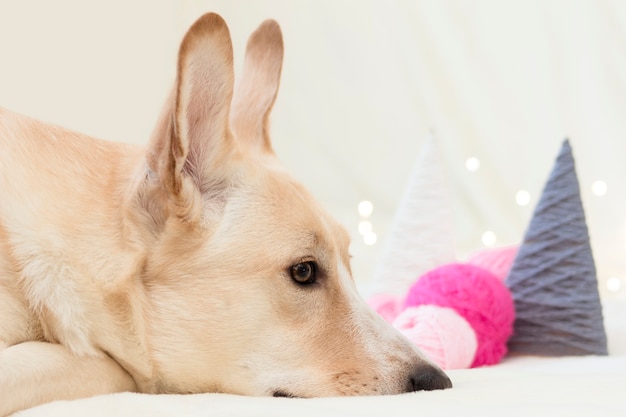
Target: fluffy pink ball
x=440, y=333
x=477, y=296
x=498, y=261
x=387, y=305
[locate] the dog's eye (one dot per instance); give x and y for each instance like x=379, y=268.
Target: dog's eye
x=304, y=273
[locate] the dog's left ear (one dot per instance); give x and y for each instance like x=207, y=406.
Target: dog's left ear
x=192, y=137
x=257, y=88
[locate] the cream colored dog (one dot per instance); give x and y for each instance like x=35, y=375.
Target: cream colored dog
x=195, y=265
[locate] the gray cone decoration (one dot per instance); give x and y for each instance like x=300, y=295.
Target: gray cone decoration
x=553, y=278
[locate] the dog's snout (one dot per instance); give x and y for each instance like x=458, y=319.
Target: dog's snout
x=427, y=378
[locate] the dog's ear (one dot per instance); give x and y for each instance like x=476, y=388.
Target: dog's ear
x=193, y=130
x=258, y=86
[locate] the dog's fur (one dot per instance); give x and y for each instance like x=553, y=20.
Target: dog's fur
x=169, y=269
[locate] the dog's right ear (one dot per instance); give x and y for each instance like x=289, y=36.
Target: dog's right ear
x=258, y=86
x=193, y=130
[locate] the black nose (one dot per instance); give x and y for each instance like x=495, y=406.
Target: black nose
x=427, y=378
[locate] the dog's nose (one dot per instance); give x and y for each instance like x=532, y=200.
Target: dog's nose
x=427, y=378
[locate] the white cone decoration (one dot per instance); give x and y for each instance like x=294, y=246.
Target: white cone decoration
x=422, y=233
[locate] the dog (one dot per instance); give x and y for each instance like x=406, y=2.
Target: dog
x=196, y=264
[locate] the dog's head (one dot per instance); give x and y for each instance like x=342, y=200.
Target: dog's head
x=248, y=281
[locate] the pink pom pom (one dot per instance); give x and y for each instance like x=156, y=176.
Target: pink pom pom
x=498, y=261
x=387, y=305
x=440, y=333
x=477, y=296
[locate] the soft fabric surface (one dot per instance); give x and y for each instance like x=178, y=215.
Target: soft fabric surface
x=591, y=386
x=525, y=386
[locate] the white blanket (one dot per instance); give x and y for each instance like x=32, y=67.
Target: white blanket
x=525, y=386
x=586, y=386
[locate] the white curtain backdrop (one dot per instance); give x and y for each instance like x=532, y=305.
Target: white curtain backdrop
x=364, y=82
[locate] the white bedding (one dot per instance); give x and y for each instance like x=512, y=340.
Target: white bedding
x=587, y=386
x=574, y=386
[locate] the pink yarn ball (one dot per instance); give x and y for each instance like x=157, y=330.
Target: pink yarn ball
x=439, y=332
x=477, y=296
x=498, y=261
x=387, y=305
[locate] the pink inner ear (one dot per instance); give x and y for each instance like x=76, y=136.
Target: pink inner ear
x=192, y=131
x=204, y=94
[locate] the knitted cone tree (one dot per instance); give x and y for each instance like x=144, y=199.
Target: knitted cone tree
x=421, y=236
x=553, y=278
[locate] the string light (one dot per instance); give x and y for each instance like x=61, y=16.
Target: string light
x=614, y=284
x=365, y=208
x=472, y=164
x=522, y=198
x=365, y=227
x=599, y=188
x=370, y=238
x=489, y=238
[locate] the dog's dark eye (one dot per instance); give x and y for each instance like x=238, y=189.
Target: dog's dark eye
x=304, y=273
